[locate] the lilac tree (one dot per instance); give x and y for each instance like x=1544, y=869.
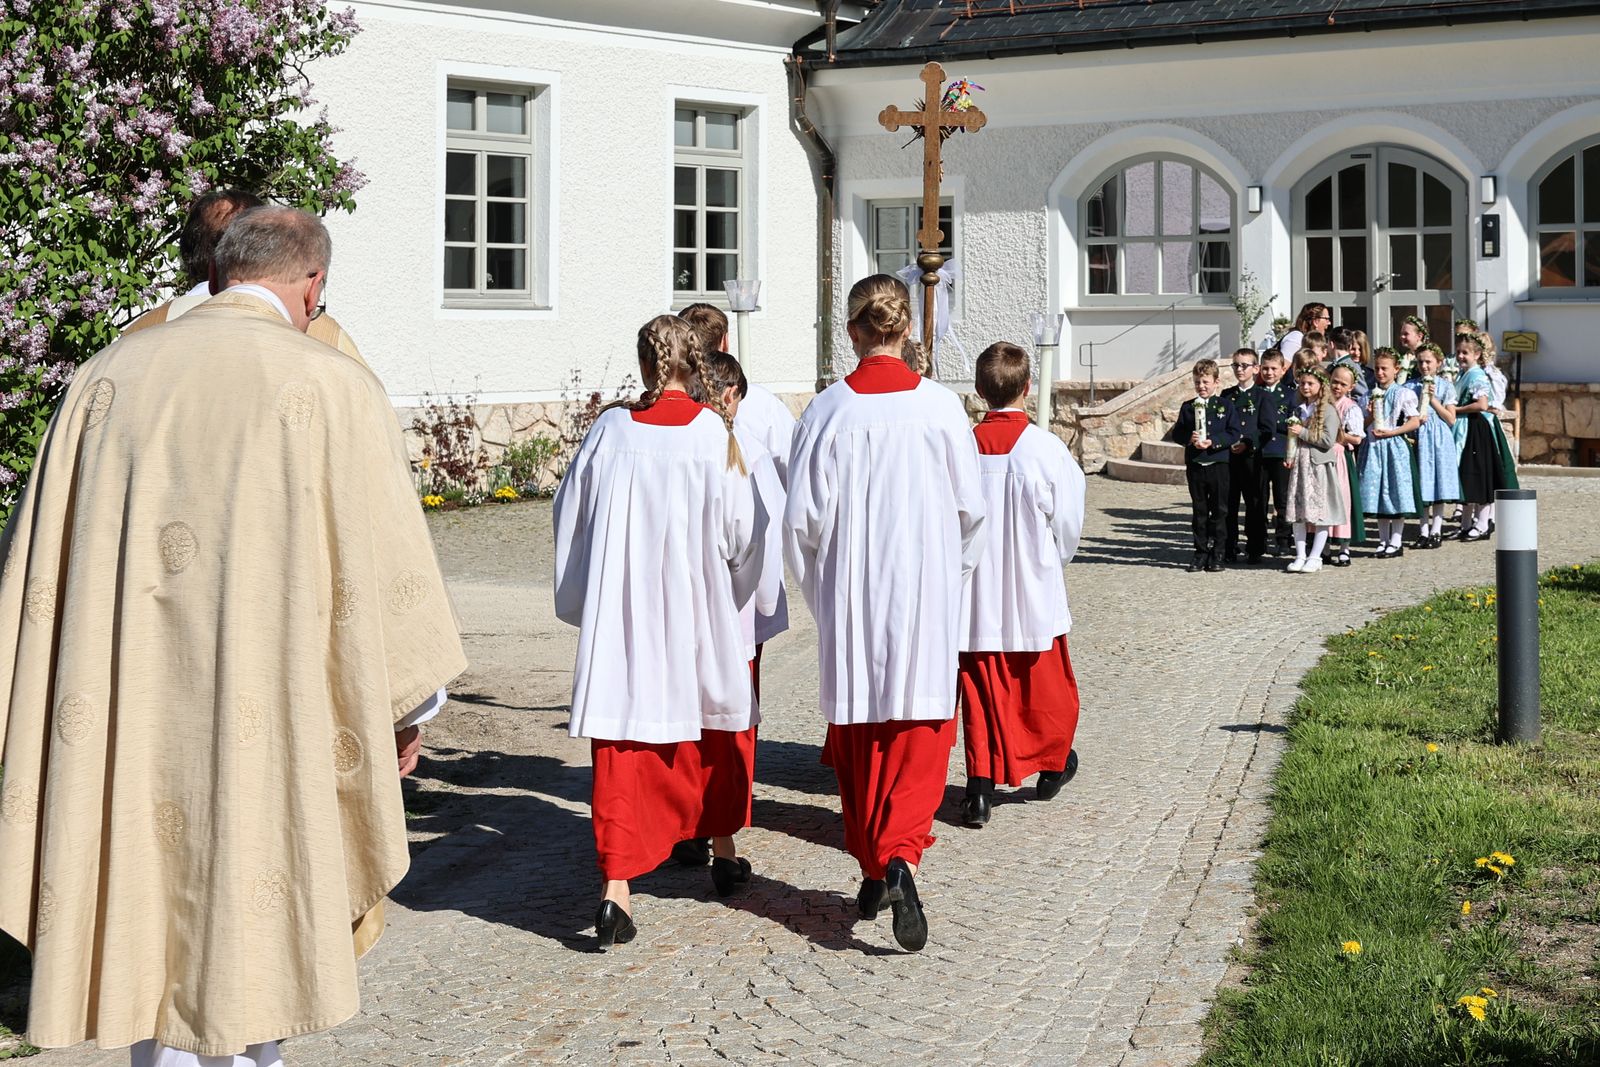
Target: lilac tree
x=115, y=115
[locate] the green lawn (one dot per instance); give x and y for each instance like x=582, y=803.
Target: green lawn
x=1389, y=806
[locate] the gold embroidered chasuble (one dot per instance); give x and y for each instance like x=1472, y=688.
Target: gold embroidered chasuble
x=218, y=596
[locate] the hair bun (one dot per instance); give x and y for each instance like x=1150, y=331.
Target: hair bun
x=886, y=314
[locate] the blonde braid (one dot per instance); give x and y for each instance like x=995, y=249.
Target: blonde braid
x=714, y=401
x=654, y=350
x=1319, y=414
x=915, y=358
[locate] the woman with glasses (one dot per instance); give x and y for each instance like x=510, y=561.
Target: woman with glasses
x=1313, y=318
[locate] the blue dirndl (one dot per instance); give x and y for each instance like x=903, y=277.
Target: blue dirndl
x=1386, y=486
x=1438, y=467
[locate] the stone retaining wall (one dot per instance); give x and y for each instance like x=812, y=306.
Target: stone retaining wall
x=1555, y=417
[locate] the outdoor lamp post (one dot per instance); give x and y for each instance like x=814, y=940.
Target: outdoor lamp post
x=742, y=296
x=1046, y=339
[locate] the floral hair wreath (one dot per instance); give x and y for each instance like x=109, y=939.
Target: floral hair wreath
x=1422, y=327
x=1429, y=346
x=1466, y=326
x=1386, y=350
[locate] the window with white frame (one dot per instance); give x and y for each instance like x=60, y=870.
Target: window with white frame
x=1157, y=228
x=710, y=200
x=893, y=226
x=489, y=184
x=1566, y=215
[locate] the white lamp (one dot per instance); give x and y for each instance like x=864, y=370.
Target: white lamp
x=1487, y=190
x=1253, y=199
x=743, y=293
x=1046, y=329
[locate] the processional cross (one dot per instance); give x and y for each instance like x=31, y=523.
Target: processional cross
x=933, y=122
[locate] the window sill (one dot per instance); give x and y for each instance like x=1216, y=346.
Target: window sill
x=1149, y=308
x=1588, y=301
x=492, y=305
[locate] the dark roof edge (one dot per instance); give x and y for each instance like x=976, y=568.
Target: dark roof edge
x=1099, y=41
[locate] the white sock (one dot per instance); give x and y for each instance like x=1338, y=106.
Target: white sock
x=1300, y=542
x=1469, y=515
x=1480, y=521
x=1384, y=526
x=1488, y=509
x=1436, y=522
x=1318, y=542
x=1397, y=532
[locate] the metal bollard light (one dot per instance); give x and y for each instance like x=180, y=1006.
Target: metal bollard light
x=1516, y=576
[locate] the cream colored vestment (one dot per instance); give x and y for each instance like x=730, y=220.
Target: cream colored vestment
x=323, y=328
x=218, y=596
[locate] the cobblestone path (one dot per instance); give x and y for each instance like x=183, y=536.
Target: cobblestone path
x=1089, y=930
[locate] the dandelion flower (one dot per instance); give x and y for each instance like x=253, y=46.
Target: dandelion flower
x=1497, y=871
x=1351, y=948
x=1432, y=747
x=1371, y=653
x=1477, y=1012
x=1503, y=857
x=1427, y=607
x=1482, y=861
x=1428, y=668
x=1486, y=991
x=1472, y=1001
x=1466, y=907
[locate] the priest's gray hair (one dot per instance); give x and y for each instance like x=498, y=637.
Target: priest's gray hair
x=272, y=244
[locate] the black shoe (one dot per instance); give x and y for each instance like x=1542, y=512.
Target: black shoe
x=1384, y=553
x=869, y=901
x=1472, y=537
x=975, y=810
x=1049, y=783
x=1422, y=544
x=1255, y=559
x=1341, y=560
x=728, y=875
x=614, y=925
x=1491, y=526
x=1197, y=564
x=695, y=852
x=1213, y=565
x=910, y=924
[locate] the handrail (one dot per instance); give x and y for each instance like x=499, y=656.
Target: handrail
x=1171, y=309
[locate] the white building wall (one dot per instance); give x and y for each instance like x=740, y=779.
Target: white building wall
x=1497, y=99
x=610, y=108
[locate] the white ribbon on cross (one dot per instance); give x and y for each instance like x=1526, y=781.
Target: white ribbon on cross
x=949, y=274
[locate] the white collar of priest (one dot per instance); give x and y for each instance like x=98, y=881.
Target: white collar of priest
x=201, y=290
x=265, y=294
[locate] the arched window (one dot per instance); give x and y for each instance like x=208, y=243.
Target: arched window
x=1565, y=206
x=1157, y=228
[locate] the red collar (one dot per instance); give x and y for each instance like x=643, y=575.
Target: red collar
x=999, y=431
x=882, y=374
x=673, y=407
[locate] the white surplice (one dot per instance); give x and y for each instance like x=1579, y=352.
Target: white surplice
x=658, y=546
x=882, y=526
x=767, y=601
x=767, y=419
x=1016, y=599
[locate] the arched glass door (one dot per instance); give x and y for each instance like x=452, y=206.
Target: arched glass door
x=1380, y=233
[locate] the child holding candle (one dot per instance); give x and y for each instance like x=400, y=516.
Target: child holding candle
x=1315, y=506
x=1207, y=427
x=1275, y=401
x=1387, y=489
x=1438, y=478
x=1352, y=431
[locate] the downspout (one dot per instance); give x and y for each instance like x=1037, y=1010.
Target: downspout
x=827, y=172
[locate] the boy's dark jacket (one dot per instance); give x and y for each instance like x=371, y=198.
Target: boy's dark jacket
x=1222, y=429
x=1247, y=405
x=1277, y=404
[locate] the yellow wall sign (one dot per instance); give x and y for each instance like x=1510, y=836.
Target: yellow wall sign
x=1524, y=341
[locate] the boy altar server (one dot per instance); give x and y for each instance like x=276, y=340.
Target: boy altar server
x=1019, y=699
x=882, y=527
x=220, y=617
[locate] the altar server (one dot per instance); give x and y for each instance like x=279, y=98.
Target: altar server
x=658, y=539
x=882, y=527
x=1019, y=699
x=220, y=620
x=208, y=218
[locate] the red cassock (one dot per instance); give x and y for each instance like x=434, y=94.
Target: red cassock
x=1019, y=712
x=648, y=797
x=891, y=781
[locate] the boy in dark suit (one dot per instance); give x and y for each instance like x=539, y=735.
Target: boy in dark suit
x=1207, y=427
x=1276, y=402
x=1244, y=480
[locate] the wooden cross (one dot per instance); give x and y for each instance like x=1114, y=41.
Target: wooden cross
x=932, y=120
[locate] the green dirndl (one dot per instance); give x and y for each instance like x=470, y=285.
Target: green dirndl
x=1358, y=518
x=1502, y=447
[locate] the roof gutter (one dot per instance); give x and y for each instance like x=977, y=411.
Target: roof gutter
x=826, y=177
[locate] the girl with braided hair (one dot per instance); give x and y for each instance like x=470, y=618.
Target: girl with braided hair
x=658, y=548
x=1315, y=503
x=881, y=529
x=1437, y=477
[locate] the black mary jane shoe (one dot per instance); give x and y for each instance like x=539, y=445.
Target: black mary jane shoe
x=1421, y=544
x=869, y=900
x=1050, y=782
x=614, y=925
x=975, y=810
x=695, y=852
x=728, y=875
x=1472, y=537
x=1341, y=560
x=1384, y=553
x=910, y=924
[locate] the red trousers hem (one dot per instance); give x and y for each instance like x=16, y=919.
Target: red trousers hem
x=891, y=782
x=1019, y=712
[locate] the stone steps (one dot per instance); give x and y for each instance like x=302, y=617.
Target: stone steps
x=1155, y=463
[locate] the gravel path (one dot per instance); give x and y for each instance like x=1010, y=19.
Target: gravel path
x=1090, y=930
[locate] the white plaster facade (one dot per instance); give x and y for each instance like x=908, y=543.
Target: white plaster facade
x=1495, y=100
x=609, y=74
